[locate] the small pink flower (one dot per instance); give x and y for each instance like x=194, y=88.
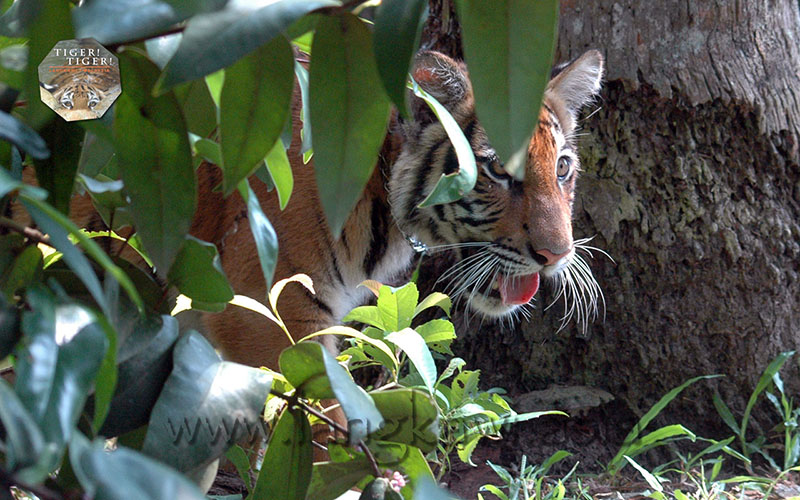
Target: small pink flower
x=396, y=480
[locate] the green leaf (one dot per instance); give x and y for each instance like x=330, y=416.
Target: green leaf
x=216, y=40
x=725, y=413
x=398, y=26
x=657, y=437
x=411, y=418
x=387, y=357
x=124, y=474
x=58, y=363
x=214, y=83
x=198, y=107
x=450, y=187
x=26, y=269
x=508, y=77
x=9, y=184
x=763, y=382
x=145, y=361
x=301, y=73
x=209, y=150
x=329, y=480
x=456, y=364
x=435, y=299
x=286, y=469
x=369, y=315
x=48, y=23
x=613, y=466
x=388, y=309
x=263, y=233
x=205, y=407
x=156, y=161
x=438, y=334
x=22, y=136
x=97, y=155
x=197, y=273
x=56, y=173
x=494, y=490
x=57, y=226
x=254, y=106
x=280, y=172
x=349, y=113
x=125, y=20
x=23, y=439
x=316, y=374
x=239, y=459
x=650, y=478
x=418, y=353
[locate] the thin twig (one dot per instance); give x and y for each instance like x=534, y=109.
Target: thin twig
x=29, y=232
x=293, y=400
x=371, y=458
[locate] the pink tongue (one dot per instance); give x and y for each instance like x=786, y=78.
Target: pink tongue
x=518, y=290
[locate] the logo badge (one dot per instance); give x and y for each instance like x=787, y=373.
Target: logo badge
x=79, y=79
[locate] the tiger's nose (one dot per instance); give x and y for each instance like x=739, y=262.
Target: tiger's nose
x=545, y=257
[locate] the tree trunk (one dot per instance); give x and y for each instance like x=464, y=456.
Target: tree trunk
x=691, y=183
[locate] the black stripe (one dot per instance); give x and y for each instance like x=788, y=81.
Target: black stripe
x=319, y=303
x=378, y=243
x=450, y=161
x=422, y=174
x=472, y=221
x=329, y=243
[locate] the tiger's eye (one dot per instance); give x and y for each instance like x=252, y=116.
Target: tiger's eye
x=563, y=167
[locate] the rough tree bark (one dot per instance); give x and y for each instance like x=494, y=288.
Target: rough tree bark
x=691, y=182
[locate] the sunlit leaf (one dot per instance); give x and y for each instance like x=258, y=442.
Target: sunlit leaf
x=57, y=365
x=450, y=187
x=418, y=353
x=280, y=172
x=206, y=406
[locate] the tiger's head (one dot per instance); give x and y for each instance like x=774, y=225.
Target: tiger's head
x=506, y=233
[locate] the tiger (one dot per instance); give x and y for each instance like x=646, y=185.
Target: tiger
x=506, y=233
x=79, y=94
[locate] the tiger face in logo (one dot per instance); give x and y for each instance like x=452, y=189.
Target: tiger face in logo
x=80, y=94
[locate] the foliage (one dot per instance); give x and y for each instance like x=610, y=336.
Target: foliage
x=88, y=334
x=770, y=377
x=530, y=481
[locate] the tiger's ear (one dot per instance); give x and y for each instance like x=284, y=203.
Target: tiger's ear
x=442, y=77
x=578, y=82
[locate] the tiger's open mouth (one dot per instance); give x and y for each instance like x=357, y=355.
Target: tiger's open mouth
x=517, y=290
